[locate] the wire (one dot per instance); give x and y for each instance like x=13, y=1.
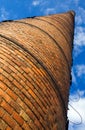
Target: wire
x=81, y=120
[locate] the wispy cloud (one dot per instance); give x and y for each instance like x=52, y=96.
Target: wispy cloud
x=41, y=3
x=3, y=14
x=79, y=40
x=77, y=113
x=79, y=36
x=80, y=16
x=77, y=50
x=50, y=11
x=36, y=2
x=78, y=19
x=80, y=70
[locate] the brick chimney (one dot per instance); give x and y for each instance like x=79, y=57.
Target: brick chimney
x=35, y=67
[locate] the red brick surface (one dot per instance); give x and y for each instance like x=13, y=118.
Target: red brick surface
x=35, y=62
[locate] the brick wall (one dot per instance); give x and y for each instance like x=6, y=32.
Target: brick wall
x=35, y=62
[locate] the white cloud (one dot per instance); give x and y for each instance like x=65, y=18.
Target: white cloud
x=3, y=14
x=80, y=17
x=78, y=50
x=42, y=3
x=36, y=2
x=80, y=70
x=50, y=11
x=77, y=113
x=79, y=36
x=79, y=40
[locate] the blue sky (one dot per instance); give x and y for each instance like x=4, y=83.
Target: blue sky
x=18, y=9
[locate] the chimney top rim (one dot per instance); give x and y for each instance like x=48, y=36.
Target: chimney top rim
x=71, y=12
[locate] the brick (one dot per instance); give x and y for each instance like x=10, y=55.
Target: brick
x=2, y=111
x=24, y=116
x=4, y=95
x=15, y=106
x=1, y=70
x=7, y=107
x=19, y=92
x=26, y=94
x=32, y=93
x=33, y=126
x=28, y=102
x=55, y=126
x=12, y=94
x=21, y=76
x=37, y=123
x=22, y=104
x=8, y=128
x=31, y=114
x=17, y=117
x=17, y=84
x=1, y=99
x=11, y=78
x=17, y=128
x=9, y=120
x=7, y=69
x=3, y=86
x=2, y=125
x=13, y=69
x=1, y=77
x=5, y=74
x=26, y=126
x=7, y=82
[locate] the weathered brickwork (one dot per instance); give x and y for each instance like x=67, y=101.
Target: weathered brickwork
x=35, y=62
